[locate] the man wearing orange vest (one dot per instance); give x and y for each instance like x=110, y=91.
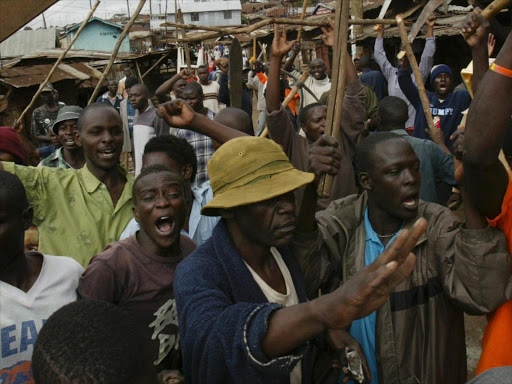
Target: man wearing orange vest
x=486, y=179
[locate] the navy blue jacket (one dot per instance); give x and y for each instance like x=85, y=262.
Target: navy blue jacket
x=449, y=111
x=223, y=317
x=376, y=80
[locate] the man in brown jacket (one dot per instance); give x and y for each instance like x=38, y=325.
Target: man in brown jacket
x=418, y=335
x=296, y=146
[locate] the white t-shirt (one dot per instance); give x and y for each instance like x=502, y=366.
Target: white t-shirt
x=287, y=300
x=211, y=96
x=23, y=314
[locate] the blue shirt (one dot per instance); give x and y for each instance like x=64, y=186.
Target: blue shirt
x=363, y=330
x=376, y=80
x=130, y=112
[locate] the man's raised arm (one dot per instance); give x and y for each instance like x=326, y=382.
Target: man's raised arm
x=488, y=117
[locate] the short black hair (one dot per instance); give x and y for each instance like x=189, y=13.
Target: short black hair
x=92, y=108
x=89, y=341
x=144, y=89
x=12, y=189
x=157, y=168
x=304, y=112
x=176, y=148
x=130, y=82
x=393, y=113
x=235, y=118
x=366, y=148
x=203, y=66
x=194, y=86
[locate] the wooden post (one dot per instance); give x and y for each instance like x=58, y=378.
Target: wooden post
x=492, y=10
x=302, y=17
x=334, y=109
x=289, y=98
x=154, y=65
x=138, y=71
x=59, y=60
x=417, y=74
x=185, y=45
x=357, y=12
x=116, y=49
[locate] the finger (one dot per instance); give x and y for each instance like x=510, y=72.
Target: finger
x=324, y=39
x=276, y=31
x=283, y=28
x=402, y=272
x=331, y=22
x=326, y=140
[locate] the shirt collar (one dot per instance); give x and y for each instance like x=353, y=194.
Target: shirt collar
x=91, y=182
x=401, y=132
x=371, y=235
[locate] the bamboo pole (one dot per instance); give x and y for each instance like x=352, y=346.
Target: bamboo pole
x=417, y=75
x=220, y=31
x=302, y=17
x=289, y=98
x=154, y=65
x=335, y=108
x=185, y=45
x=492, y=10
x=59, y=60
x=116, y=49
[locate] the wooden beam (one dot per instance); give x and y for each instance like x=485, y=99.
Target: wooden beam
x=154, y=65
x=59, y=60
x=116, y=49
x=302, y=17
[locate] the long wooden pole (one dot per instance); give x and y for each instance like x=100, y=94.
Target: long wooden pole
x=334, y=109
x=186, y=47
x=154, y=65
x=116, y=49
x=220, y=31
x=302, y=17
x=417, y=74
x=59, y=60
x=138, y=71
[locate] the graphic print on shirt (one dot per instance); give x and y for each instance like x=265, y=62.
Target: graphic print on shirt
x=19, y=373
x=441, y=111
x=166, y=315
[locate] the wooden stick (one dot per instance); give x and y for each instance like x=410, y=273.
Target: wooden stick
x=335, y=108
x=417, y=74
x=220, y=31
x=185, y=46
x=492, y=10
x=114, y=52
x=59, y=60
x=138, y=71
x=263, y=48
x=154, y=65
x=302, y=17
x=289, y=98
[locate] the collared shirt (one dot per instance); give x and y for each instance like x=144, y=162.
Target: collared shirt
x=363, y=330
x=203, y=148
x=73, y=209
x=435, y=165
x=55, y=160
x=200, y=227
x=115, y=102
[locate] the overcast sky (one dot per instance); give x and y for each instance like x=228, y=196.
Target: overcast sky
x=73, y=11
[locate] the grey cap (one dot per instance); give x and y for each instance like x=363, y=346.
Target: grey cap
x=48, y=88
x=67, y=112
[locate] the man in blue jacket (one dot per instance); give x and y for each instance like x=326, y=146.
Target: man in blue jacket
x=242, y=305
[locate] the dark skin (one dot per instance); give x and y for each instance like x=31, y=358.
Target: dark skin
x=485, y=178
x=443, y=85
x=202, y=74
x=160, y=195
x=52, y=106
x=175, y=83
x=233, y=118
x=101, y=137
x=314, y=124
x=112, y=88
x=139, y=98
x=71, y=151
x=16, y=268
x=195, y=100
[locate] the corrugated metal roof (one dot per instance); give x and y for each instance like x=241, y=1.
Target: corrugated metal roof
x=21, y=77
x=209, y=6
x=94, y=19
x=23, y=42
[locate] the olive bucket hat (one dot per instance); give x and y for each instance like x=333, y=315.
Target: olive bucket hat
x=248, y=170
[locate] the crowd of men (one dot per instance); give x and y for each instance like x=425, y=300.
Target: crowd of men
x=218, y=262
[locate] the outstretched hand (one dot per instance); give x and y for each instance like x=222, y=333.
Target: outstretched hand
x=477, y=26
x=280, y=46
x=176, y=113
x=369, y=289
x=328, y=33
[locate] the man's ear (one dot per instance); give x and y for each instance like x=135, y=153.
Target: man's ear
x=78, y=139
x=28, y=216
x=135, y=213
x=365, y=181
x=186, y=171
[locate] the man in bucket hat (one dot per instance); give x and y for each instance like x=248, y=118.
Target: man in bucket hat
x=70, y=154
x=241, y=299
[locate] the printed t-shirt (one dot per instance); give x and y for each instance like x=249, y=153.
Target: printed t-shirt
x=211, y=96
x=141, y=283
x=497, y=339
x=73, y=209
x=42, y=122
x=23, y=314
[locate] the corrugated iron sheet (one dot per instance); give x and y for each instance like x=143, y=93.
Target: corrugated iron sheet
x=20, y=77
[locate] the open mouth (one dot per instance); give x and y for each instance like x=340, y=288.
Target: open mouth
x=69, y=142
x=165, y=225
x=107, y=154
x=411, y=202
